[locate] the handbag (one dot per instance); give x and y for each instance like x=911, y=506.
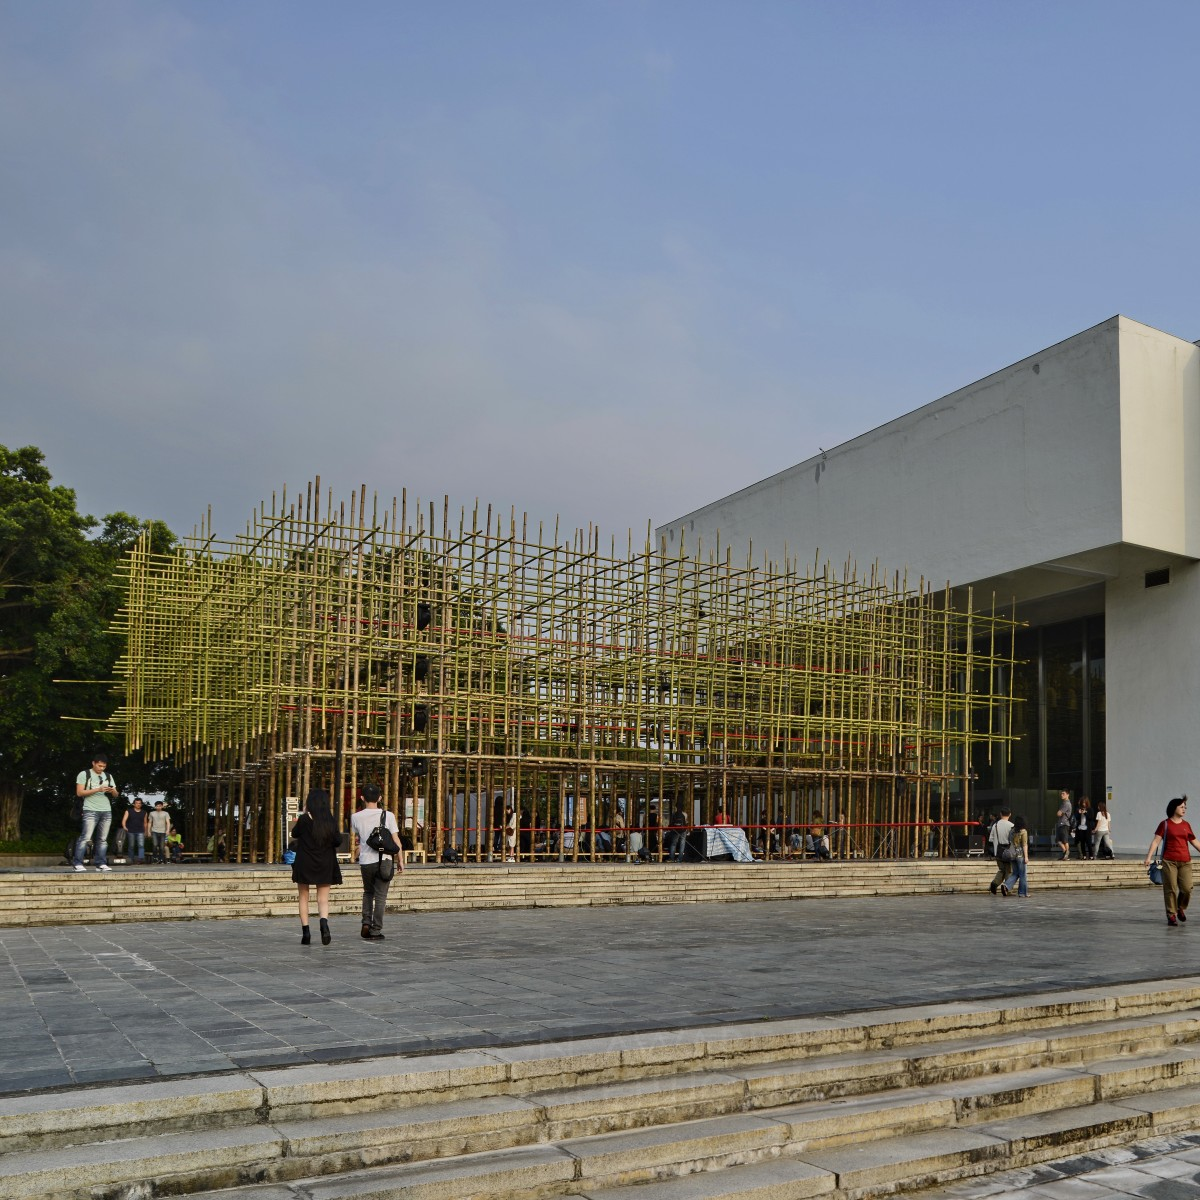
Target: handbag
x=1008, y=853
x=1154, y=870
x=380, y=838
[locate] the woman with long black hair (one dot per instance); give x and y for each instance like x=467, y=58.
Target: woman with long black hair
x=1085, y=824
x=317, y=838
x=1018, y=877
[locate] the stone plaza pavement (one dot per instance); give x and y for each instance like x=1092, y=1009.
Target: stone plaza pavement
x=154, y=999
x=157, y=999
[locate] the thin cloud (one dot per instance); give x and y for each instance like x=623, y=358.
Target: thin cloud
x=214, y=322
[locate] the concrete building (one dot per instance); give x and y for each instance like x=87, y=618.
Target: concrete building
x=1069, y=483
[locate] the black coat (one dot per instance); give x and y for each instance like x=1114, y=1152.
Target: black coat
x=315, y=864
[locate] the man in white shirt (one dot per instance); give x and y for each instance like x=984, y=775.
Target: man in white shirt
x=1001, y=832
x=376, y=875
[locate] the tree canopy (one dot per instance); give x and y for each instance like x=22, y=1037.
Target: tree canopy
x=58, y=594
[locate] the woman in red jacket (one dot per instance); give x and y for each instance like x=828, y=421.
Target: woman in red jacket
x=1175, y=836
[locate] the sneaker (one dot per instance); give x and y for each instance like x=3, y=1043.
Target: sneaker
x=1172, y=921
x=80, y=867
x=1003, y=890
x=1181, y=915
x=104, y=867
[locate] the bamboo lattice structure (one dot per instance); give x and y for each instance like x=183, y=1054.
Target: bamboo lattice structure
x=470, y=663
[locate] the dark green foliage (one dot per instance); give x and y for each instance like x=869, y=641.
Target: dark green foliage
x=58, y=594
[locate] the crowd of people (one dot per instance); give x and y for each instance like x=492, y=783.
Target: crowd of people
x=141, y=828
x=1081, y=827
x=315, y=841
x=1088, y=830
x=145, y=833
x=377, y=850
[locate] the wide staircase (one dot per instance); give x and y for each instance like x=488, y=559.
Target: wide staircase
x=214, y=892
x=843, y=1107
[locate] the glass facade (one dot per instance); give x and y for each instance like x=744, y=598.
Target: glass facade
x=1058, y=713
x=1096, y=708
x=1063, y=705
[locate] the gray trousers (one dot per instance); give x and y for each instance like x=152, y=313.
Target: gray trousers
x=375, y=892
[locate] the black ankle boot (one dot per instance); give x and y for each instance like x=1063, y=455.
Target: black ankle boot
x=305, y=936
x=326, y=936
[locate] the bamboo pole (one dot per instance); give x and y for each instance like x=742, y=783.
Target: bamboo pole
x=564, y=670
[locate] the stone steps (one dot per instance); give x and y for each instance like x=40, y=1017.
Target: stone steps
x=832, y=1105
x=213, y=893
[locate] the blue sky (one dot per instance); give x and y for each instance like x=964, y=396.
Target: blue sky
x=608, y=260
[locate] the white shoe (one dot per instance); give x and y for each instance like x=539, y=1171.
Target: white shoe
x=80, y=867
x=104, y=867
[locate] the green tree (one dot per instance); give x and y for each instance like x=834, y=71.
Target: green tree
x=58, y=594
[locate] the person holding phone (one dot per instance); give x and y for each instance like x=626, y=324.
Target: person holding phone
x=96, y=789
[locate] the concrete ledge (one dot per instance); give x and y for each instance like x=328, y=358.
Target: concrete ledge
x=62, y=1118
x=919, y=1160
x=208, y=893
x=218, y=1157
x=529, y=1170
x=778, y=1179
x=296, y=1092
x=633, y=1157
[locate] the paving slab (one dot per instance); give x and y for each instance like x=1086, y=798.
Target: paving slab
x=207, y=996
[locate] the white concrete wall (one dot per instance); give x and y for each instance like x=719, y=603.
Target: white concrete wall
x=1092, y=443
x=1152, y=691
x=1021, y=467
x=1160, y=440
x=1152, y=635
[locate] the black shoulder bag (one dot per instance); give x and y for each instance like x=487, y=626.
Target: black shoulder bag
x=381, y=841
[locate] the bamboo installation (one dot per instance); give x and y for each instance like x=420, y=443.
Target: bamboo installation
x=472, y=664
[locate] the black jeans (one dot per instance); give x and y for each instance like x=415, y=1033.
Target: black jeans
x=375, y=890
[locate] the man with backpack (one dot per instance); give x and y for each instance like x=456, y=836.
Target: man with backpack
x=377, y=863
x=94, y=790
x=998, y=838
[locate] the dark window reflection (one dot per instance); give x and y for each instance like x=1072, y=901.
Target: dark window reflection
x=1058, y=694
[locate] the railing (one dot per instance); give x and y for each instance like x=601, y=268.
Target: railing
x=884, y=840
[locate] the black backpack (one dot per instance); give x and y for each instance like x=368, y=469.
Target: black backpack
x=77, y=805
